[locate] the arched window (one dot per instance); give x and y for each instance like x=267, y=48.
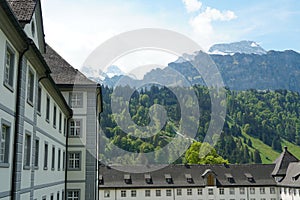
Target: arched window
x=210, y=180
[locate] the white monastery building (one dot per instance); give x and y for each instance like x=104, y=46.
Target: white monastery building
x=48, y=114
x=277, y=181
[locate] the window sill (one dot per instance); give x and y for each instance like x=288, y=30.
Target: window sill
x=52, y=169
x=36, y=168
x=45, y=168
x=47, y=120
x=26, y=167
x=74, y=136
x=54, y=126
x=30, y=102
x=4, y=165
x=74, y=169
x=38, y=113
x=9, y=87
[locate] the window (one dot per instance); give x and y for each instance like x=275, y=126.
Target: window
x=76, y=100
x=73, y=195
x=44, y=198
x=54, y=116
x=9, y=67
x=64, y=161
x=252, y=190
x=74, y=161
x=48, y=109
x=232, y=191
x=189, y=192
x=4, y=143
x=52, y=197
x=133, y=193
x=63, y=195
x=27, y=150
x=210, y=180
x=75, y=128
x=179, y=192
x=158, y=193
x=242, y=190
x=46, y=156
x=200, y=191
x=57, y=196
x=221, y=191
x=32, y=29
x=168, y=193
x=39, y=100
x=106, y=193
x=36, y=153
x=262, y=190
x=65, y=126
x=60, y=122
x=58, y=159
x=123, y=193
x=147, y=193
x=53, y=158
x=30, y=86
x=210, y=191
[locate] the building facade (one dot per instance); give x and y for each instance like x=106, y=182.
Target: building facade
x=48, y=135
x=204, y=182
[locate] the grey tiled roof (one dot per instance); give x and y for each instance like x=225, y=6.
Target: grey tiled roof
x=23, y=9
x=292, y=178
x=282, y=162
x=62, y=71
x=113, y=177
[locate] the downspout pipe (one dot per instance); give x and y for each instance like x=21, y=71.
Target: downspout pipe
x=17, y=121
x=66, y=156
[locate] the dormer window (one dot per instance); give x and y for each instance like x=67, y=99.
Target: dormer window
x=209, y=175
x=33, y=29
x=148, y=179
x=295, y=178
x=229, y=178
x=168, y=178
x=189, y=178
x=249, y=177
x=101, y=179
x=127, y=179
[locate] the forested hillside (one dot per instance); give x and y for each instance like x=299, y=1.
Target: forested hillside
x=255, y=121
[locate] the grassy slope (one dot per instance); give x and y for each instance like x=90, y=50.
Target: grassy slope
x=268, y=155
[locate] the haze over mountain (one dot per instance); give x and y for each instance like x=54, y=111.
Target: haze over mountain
x=243, y=65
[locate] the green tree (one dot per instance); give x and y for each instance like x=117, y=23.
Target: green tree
x=203, y=153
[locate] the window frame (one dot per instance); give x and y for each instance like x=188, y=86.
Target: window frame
x=79, y=98
x=53, y=158
x=168, y=193
x=36, y=152
x=73, y=191
x=46, y=155
x=58, y=159
x=147, y=193
x=189, y=192
x=54, y=115
x=39, y=100
x=8, y=82
x=158, y=193
x=79, y=159
x=123, y=193
x=6, y=156
x=27, y=151
x=48, y=103
x=75, y=127
x=30, y=86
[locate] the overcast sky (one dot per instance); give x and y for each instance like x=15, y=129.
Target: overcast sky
x=76, y=27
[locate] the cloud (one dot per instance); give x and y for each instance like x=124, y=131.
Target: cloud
x=202, y=25
x=192, y=5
